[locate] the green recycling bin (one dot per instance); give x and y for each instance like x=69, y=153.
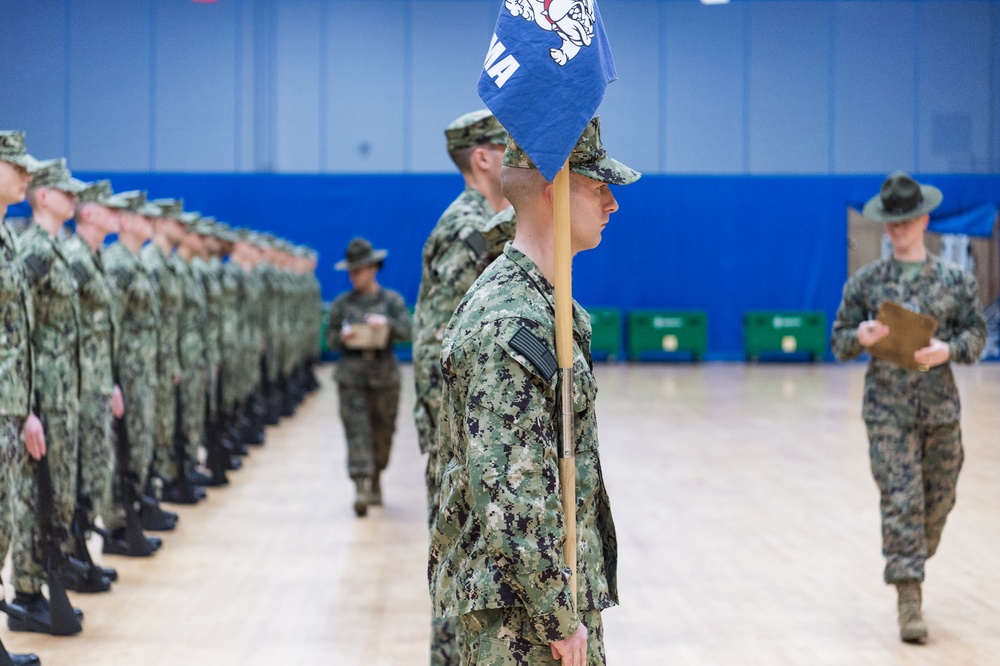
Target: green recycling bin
x=785, y=332
x=606, y=330
x=663, y=333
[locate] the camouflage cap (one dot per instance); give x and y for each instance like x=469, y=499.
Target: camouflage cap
x=132, y=200
x=589, y=158
x=54, y=174
x=473, y=129
x=12, y=150
x=97, y=192
x=150, y=209
x=170, y=207
x=223, y=232
x=205, y=226
x=188, y=218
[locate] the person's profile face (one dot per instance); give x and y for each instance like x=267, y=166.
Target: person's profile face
x=906, y=234
x=591, y=204
x=14, y=182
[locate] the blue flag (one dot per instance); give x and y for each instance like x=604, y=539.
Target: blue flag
x=545, y=73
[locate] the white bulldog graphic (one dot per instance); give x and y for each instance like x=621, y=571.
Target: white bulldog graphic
x=572, y=20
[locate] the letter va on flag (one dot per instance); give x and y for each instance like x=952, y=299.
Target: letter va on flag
x=497, y=69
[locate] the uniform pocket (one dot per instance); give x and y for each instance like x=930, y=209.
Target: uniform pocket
x=495, y=652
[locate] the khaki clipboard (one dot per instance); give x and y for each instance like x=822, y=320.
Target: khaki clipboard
x=908, y=332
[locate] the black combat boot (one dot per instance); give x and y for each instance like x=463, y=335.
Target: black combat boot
x=154, y=517
x=31, y=612
x=116, y=543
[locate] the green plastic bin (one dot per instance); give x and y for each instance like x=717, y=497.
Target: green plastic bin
x=784, y=332
x=606, y=329
x=658, y=333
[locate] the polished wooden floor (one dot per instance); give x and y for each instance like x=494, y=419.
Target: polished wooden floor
x=747, y=523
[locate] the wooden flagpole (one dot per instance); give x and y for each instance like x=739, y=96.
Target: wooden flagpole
x=564, y=355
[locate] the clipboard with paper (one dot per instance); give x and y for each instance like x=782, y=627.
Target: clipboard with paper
x=908, y=332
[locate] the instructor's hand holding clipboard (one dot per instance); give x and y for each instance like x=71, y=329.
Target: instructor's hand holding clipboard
x=903, y=337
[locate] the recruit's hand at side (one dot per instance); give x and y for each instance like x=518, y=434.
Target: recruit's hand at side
x=870, y=332
x=34, y=437
x=934, y=354
x=117, y=403
x=572, y=651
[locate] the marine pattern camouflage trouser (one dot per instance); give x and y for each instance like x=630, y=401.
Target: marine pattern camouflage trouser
x=12, y=455
x=916, y=468
x=97, y=454
x=194, y=386
x=444, y=641
x=369, y=416
x=61, y=437
x=505, y=637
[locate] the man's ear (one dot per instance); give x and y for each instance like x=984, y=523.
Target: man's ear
x=550, y=193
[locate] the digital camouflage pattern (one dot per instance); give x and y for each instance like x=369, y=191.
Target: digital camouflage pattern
x=913, y=417
x=206, y=273
x=589, y=158
x=12, y=150
x=98, y=324
x=139, y=314
x=507, y=636
x=473, y=129
x=449, y=269
x=168, y=363
x=194, y=360
x=941, y=290
x=12, y=456
x=232, y=346
x=55, y=340
x=368, y=387
x=497, y=539
x=16, y=322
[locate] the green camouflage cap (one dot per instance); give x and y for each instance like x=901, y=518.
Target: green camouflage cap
x=224, y=233
x=205, y=226
x=98, y=192
x=242, y=234
x=170, y=207
x=12, y=150
x=150, y=209
x=587, y=159
x=188, y=218
x=474, y=129
x=132, y=200
x=55, y=175
x=259, y=239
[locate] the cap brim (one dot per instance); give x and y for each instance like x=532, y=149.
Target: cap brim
x=874, y=212
x=375, y=257
x=607, y=170
x=73, y=186
x=25, y=161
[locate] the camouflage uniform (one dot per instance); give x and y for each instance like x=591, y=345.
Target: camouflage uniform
x=55, y=339
x=97, y=353
x=194, y=362
x=497, y=541
x=16, y=375
x=231, y=344
x=913, y=417
x=368, y=381
x=163, y=273
x=139, y=316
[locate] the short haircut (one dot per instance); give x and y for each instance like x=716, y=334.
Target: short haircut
x=462, y=157
x=521, y=186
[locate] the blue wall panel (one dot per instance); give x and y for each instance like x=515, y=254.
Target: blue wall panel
x=195, y=124
x=367, y=104
x=444, y=82
x=630, y=112
x=956, y=98
x=873, y=89
x=704, y=88
x=33, y=69
x=789, y=104
x=297, y=83
x=110, y=86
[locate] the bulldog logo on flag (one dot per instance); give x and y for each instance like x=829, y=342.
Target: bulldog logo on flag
x=572, y=20
x=545, y=73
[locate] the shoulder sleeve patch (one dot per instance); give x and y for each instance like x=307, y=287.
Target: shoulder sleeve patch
x=536, y=351
x=81, y=273
x=36, y=266
x=476, y=242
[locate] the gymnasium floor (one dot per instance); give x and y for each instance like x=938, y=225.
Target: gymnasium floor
x=747, y=523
